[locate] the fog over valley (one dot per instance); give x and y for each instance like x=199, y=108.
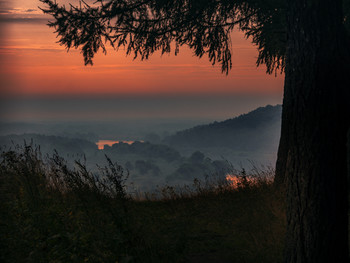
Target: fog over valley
x=158, y=151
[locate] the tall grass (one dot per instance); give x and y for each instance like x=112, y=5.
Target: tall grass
x=51, y=212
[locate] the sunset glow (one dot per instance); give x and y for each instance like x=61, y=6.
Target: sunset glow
x=239, y=181
x=101, y=143
x=33, y=63
x=35, y=66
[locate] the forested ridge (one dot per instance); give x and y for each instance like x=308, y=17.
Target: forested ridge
x=256, y=130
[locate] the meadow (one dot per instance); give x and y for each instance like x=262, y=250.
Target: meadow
x=53, y=213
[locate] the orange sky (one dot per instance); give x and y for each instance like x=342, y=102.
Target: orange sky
x=32, y=63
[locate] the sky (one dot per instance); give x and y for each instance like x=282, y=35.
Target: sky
x=40, y=80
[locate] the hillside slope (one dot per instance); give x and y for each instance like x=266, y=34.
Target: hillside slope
x=256, y=130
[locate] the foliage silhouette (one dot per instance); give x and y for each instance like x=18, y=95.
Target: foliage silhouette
x=146, y=26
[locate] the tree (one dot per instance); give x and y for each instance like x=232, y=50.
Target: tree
x=315, y=122
x=309, y=39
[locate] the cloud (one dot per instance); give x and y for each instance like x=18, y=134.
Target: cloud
x=5, y=9
x=12, y=12
x=4, y=3
x=20, y=15
x=31, y=10
x=17, y=19
x=17, y=49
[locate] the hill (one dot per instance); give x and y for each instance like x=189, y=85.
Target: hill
x=49, y=143
x=255, y=131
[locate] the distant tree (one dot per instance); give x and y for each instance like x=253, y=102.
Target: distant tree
x=309, y=39
x=147, y=167
x=197, y=157
x=142, y=167
x=129, y=166
x=221, y=167
x=152, y=137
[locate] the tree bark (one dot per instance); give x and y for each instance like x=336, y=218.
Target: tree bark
x=282, y=155
x=312, y=154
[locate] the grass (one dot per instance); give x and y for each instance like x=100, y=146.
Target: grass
x=237, y=226
x=52, y=213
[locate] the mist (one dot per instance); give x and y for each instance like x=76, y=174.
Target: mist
x=196, y=107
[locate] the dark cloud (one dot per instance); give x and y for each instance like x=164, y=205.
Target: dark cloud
x=5, y=10
x=16, y=15
x=30, y=10
x=17, y=19
x=103, y=107
x=9, y=13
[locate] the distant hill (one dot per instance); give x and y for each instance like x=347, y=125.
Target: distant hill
x=149, y=164
x=49, y=143
x=144, y=149
x=254, y=131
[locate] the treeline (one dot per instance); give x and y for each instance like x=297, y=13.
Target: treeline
x=145, y=149
x=149, y=164
x=66, y=146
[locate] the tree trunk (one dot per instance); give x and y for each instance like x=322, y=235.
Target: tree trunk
x=282, y=154
x=312, y=154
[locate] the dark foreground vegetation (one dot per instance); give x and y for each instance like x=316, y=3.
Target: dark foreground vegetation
x=52, y=213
